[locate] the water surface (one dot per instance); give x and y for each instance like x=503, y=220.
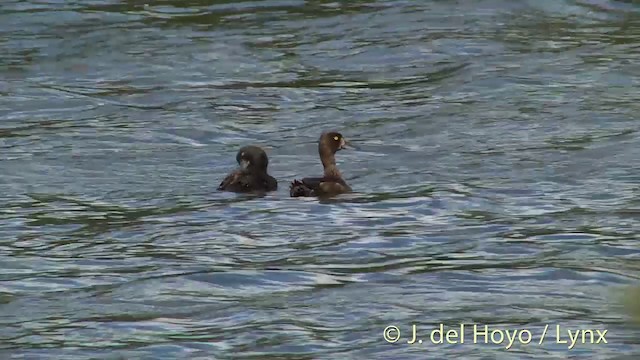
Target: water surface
x=496, y=177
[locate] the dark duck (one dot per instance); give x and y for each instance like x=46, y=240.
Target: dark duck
x=252, y=175
x=331, y=183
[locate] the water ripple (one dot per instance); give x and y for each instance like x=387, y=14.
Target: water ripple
x=494, y=180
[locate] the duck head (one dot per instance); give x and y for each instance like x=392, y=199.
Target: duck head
x=252, y=158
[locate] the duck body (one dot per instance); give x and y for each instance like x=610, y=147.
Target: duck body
x=252, y=176
x=318, y=186
x=241, y=182
x=331, y=183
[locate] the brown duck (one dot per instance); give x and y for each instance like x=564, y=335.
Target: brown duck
x=332, y=182
x=252, y=175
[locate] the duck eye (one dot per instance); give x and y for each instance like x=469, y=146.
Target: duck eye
x=336, y=138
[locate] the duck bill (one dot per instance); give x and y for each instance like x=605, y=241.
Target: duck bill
x=346, y=145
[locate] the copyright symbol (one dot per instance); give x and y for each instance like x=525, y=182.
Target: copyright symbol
x=391, y=334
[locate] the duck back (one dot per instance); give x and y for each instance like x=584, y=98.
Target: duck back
x=318, y=186
x=241, y=182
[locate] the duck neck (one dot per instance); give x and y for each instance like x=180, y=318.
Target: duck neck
x=329, y=163
x=256, y=170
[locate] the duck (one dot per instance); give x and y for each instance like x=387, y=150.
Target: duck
x=331, y=183
x=252, y=175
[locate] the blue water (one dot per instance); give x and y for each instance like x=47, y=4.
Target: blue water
x=495, y=178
